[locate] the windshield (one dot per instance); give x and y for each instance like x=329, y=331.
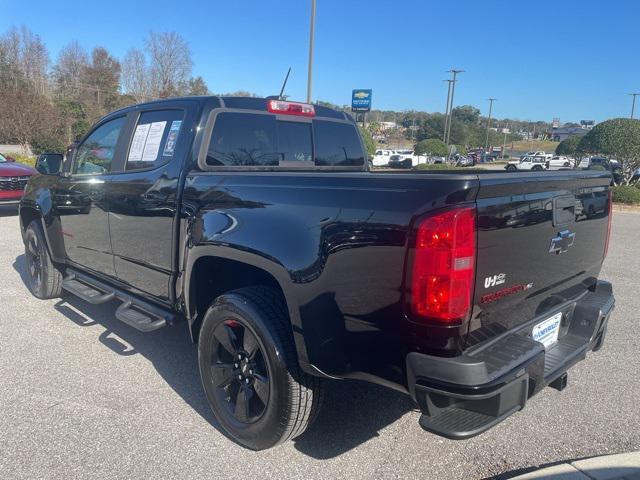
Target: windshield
x=2, y=159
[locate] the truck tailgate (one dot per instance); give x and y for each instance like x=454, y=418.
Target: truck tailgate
x=541, y=243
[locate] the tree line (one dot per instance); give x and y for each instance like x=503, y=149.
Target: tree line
x=47, y=105
x=618, y=139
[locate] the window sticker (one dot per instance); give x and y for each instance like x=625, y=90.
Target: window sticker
x=172, y=138
x=138, y=142
x=152, y=147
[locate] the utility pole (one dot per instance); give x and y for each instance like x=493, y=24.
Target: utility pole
x=633, y=103
x=455, y=73
x=486, y=140
x=311, y=36
x=504, y=143
x=446, y=114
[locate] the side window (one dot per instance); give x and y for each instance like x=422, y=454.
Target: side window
x=95, y=154
x=337, y=144
x=294, y=142
x=243, y=139
x=155, y=139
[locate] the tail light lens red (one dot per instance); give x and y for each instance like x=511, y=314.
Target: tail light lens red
x=609, y=217
x=443, y=267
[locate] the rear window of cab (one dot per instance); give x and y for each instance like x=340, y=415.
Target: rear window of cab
x=264, y=140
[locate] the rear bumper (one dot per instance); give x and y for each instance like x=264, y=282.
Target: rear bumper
x=466, y=395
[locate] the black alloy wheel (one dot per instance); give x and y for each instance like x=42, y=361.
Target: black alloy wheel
x=250, y=372
x=43, y=278
x=34, y=262
x=239, y=371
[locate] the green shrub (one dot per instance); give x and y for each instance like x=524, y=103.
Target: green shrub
x=435, y=166
x=26, y=159
x=626, y=194
x=432, y=146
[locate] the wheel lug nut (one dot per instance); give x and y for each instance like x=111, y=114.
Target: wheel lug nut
x=239, y=377
x=247, y=380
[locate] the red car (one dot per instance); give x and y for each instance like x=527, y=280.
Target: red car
x=13, y=180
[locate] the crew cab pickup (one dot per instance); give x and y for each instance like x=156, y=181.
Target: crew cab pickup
x=255, y=224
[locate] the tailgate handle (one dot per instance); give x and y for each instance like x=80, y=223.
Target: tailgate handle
x=564, y=210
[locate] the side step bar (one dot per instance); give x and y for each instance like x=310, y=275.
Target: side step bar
x=136, y=313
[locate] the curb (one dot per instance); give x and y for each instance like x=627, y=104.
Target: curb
x=624, y=466
x=624, y=208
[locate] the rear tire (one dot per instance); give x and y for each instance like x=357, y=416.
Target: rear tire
x=537, y=168
x=511, y=168
x=249, y=369
x=43, y=278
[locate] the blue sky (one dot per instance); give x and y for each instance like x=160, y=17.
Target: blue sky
x=540, y=59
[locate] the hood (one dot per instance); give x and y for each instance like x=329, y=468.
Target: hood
x=15, y=170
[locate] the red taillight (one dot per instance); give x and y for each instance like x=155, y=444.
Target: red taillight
x=291, y=108
x=443, y=268
x=609, y=216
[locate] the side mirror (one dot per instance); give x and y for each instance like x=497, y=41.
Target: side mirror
x=49, y=163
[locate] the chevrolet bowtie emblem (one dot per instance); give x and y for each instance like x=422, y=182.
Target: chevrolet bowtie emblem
x=562, y=242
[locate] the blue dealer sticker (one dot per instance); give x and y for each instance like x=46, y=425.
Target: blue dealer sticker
x=172, y=138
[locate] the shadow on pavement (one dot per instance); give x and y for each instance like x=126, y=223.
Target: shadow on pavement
x=8, y=210
x=609, y=471
x=353, y=412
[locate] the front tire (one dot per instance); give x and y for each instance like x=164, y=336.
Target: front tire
x=249, y=369
x=43, y=278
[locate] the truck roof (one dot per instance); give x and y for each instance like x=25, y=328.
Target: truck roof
x=243, y=103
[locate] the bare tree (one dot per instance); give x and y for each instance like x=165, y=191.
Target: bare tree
x=28, y=118
x=136, y=77
x=35, y=61
x=171, y=62
x=25, y=60
x=69, y=70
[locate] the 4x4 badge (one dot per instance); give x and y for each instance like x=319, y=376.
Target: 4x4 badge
x=562, y=242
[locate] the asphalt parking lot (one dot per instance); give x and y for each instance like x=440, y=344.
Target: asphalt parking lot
x=85, y=396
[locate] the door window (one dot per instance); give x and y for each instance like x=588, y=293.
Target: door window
x=95, y=155
x=155, y=139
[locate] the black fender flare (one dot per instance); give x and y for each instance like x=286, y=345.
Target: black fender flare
x=269, y=265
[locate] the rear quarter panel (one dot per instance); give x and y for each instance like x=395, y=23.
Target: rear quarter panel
x=336, y=243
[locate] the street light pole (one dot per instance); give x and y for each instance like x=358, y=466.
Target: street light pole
x=633, y=103
x=486, y=140
x=311, y=37
x=453, y=90
x=446, y=114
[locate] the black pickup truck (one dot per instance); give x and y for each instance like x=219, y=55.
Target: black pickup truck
x=256, y=224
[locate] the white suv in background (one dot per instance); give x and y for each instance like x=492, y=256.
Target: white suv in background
x=528, y=163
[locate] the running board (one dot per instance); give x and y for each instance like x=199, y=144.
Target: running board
x=136, y=313
x=86, y=292
x=132, y=316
